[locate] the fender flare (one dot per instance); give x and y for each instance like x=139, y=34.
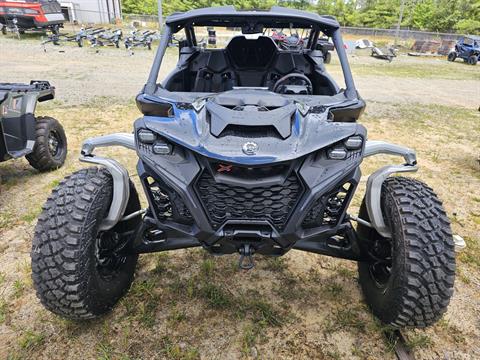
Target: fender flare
x=121, y=186
x=374, y=183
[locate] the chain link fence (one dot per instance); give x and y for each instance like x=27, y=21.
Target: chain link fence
x=402, y=35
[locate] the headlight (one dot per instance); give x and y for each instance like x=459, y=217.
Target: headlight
x=146, y=136
x=162, y=148
x=354, y=142
x=337, y=153
x=341, y=150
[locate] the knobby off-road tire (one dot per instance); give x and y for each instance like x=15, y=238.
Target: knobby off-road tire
x=452, y=56
x=50, y=149
x=68, y=275
x=416, y=290
x=473, y=60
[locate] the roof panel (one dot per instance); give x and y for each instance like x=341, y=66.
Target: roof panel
x=228, y=15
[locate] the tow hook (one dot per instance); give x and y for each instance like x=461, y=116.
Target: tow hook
x=246, y=260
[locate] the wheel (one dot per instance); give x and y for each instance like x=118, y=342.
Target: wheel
x=327, y=58
x=472, y=60
x=50, y=149
x=410, y=282
x=452, y=56
x=4, y=30
x=77, y=271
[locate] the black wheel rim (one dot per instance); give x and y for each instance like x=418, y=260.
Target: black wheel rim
x=381, y=264
x=54, y=144
x=107, y=258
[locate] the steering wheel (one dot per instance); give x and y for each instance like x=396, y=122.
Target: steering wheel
x=289, y=77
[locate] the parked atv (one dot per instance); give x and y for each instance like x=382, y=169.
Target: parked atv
x=40, y=139
x=468, y=49
x=20, y=16
x=249, y=150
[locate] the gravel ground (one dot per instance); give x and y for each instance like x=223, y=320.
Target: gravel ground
x=81, y=74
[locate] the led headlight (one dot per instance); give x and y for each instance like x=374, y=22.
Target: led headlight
x=146, y=136
x=162, y=148
x=337, y=153
x=354, y=142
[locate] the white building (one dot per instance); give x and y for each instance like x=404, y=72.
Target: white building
x=92, y=11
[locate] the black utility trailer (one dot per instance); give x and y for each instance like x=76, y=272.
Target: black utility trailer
x=41, y=140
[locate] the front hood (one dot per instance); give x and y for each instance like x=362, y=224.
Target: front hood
x=250, y=127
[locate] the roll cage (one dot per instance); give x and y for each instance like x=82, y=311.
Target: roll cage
x=251, y=22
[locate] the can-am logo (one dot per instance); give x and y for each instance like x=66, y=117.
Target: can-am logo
x=250, y=148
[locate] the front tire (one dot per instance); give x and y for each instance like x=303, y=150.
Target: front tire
x=411, y=280
x=472, y=60
x=50, y=149
x=452, y=56
x=75, y=270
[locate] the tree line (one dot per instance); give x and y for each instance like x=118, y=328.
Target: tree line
x=429, y=15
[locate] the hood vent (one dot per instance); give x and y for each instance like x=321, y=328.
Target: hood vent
x=250, y=119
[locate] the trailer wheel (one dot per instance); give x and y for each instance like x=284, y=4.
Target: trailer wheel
x=50, y=149
x=452, y=56
x=327, y=58
x=78, y=271
x=409, y=281
x=472, y=60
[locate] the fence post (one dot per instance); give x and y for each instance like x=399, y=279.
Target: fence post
x=160, y=15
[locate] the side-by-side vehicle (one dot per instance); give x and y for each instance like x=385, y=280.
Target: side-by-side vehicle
x=251, y=149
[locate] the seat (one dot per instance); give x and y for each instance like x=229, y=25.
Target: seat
x=213, y=73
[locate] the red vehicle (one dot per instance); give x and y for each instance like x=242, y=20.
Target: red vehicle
x=31, y=15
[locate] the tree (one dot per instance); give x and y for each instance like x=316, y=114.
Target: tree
x=431, y=15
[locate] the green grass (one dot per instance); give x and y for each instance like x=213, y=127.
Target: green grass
x=345, y=317
x=3, y=310
x=418, y=341
x=471, y=254
x=161, y=263
x=18, y=288
x=275, y=264
x=448, y=71
x=215, y=296
x=175, y=350
x=142, y=302
x=176, y=316
x=30, y=340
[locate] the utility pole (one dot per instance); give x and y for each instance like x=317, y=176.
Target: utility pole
x=160, y=16
x=400, y=18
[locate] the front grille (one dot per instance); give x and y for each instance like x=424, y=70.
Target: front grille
x=168, y=204
x=227, y=202
x=327, y=210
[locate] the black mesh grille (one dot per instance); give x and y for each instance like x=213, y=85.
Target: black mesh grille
x=226, y=202
x=327, y=210
x=168, y=204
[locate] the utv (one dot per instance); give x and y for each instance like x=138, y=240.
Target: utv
x=466, y=48
x=250, y=149
x=41, y=140
x=31, y=15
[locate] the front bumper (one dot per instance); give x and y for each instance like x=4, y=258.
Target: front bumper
x=191, y=223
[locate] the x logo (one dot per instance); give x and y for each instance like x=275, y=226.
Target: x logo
x=224, y=168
